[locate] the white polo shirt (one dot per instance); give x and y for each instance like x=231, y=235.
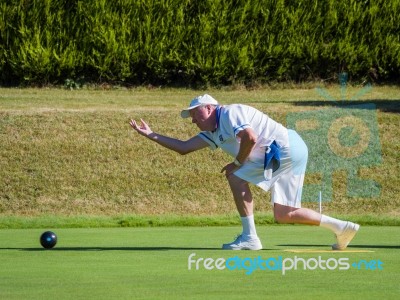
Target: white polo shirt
x=287, y=180
x=231, y=119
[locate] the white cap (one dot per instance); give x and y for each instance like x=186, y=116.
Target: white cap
x=200, y=100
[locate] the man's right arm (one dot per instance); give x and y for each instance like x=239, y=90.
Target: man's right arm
x=182, y=147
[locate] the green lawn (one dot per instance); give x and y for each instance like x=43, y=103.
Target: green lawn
x=73, y=153
x=69, y=159
x=152, y=263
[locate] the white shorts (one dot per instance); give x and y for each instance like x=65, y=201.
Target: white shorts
x=286, y=183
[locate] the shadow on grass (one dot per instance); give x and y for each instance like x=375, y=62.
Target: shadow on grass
x=387, y=105
x=187, y=248
x=111, y=248
x=391, y=105
x=350, y=246
x=115, y=249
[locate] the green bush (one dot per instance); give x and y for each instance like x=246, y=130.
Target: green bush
x=188, y=42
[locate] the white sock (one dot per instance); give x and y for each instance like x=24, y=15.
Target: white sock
x=249, y=227
x=336, y=225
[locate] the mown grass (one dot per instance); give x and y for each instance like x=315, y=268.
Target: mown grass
x=72, y=153
x=152, y=263
x=91, y=221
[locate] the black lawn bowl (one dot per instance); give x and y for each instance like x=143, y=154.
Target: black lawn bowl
x=48, y=239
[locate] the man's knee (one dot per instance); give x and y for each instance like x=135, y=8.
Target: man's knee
x=282, y=218
x=235, y=180
x=283, y=214
x=237, y=184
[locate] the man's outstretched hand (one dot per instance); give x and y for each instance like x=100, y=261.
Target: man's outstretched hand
x=142, y=129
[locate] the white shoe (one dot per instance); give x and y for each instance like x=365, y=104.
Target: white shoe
x=244, y=243
x=346, y=236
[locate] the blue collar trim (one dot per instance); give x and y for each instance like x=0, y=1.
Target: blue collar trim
x=218, y=112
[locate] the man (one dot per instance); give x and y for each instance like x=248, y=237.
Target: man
x=264, y=153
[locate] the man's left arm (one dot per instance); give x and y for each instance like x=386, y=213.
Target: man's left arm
x=248, y=139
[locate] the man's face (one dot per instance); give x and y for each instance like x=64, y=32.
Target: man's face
x=202, y=116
